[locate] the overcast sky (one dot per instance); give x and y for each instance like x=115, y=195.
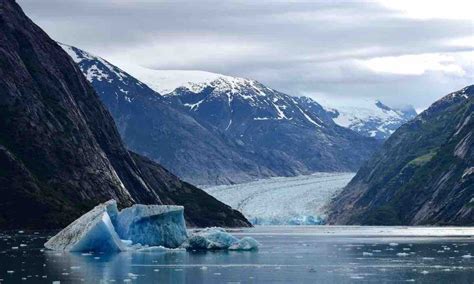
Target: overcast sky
x=399, y=51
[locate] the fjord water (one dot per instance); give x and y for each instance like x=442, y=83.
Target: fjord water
x=298, y=254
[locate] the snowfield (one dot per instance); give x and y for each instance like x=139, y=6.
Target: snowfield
x=283, y=200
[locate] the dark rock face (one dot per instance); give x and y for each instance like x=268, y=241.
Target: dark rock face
x=201, y=209
x=60, y=153
x=152, y=126
x=424, y=173
x=282, y=134
x=229, y=131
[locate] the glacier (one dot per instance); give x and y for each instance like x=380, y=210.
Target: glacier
x=140, y=228
x=216, y=238
x=299, y=200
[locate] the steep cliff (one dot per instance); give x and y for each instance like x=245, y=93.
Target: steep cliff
x=424, y=173
x=60, y=153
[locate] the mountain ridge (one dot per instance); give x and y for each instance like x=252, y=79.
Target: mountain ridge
x=423, y=174
x=251, y=131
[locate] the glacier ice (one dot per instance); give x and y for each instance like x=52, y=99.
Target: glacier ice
x=152, y=225
x=304, y=204
x=93, y=231
x=105, y=229
x=141, y=228
x=217, y=238
x=246, y=243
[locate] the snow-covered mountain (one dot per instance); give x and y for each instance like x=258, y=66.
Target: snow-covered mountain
x=371, y=118
x=215, y=129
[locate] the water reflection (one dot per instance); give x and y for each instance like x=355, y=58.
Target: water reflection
x=290, y=255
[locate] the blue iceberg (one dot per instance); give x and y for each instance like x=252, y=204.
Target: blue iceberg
x=217, y=239
x=93, y=231
x=152, y=225
x=141, y=228
x=105, y=229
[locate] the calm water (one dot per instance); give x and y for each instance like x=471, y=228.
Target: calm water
x=288, y=255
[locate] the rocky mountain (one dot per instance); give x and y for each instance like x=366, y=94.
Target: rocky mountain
x=239, y=129
x=424, y=173
x=371, y=118
x=60, y=152
x=154, y=127
x=285, y=134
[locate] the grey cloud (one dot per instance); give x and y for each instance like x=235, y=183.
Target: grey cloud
x=300, y=47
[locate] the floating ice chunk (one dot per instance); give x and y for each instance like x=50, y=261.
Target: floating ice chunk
x=246, y=243
x=153, y=225
x=105, y=229
x=402, y=254
x=211, y=239
x=217, y=238
x=93, y=231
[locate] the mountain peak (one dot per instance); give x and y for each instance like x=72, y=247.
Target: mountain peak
x=371, y=118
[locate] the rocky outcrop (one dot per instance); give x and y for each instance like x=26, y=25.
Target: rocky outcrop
x=422, y=176
x=60, y=152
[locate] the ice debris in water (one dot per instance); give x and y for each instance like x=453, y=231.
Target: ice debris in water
x=101, y=229
x=217, y=238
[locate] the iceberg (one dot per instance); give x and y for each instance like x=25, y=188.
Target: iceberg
x=153, y=225
x=246, y=243
x=141, y=228
x=93, y=231
x=105, y=229
x=216, y=239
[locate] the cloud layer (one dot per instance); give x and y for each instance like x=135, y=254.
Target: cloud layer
x=333, y=49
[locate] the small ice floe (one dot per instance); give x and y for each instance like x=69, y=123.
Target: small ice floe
x=402, y=254
x=367, y=253
x=10, y=271
x=21, y=232
x=217, y=238
x=393, y=244
x=424, y=272
x=203, y=268
x=428, y=258
x=15, y=248
x=467, y=256
x=22, y=245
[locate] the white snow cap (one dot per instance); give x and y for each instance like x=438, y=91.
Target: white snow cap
x=166, y=81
